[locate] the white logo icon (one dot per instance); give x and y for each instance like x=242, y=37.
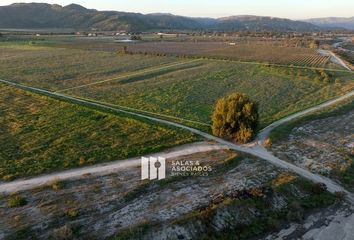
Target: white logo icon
x=153, y=168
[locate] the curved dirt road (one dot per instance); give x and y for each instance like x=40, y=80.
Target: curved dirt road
x=266, y=131
x=254, y=148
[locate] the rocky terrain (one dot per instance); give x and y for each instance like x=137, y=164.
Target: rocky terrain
x=241, y=194
x=335, y=222
x=323, y=146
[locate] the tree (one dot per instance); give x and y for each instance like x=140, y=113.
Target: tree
x=125, y=49
x=235, y=117
x=135, y=38
x=314, y=44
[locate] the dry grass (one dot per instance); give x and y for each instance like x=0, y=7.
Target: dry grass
x=282, y=179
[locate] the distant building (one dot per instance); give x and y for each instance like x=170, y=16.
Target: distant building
x=167, y=34
x=122, y=33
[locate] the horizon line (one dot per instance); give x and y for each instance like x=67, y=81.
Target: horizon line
x=175, y=14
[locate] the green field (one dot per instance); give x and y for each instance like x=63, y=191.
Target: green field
x=180, y=88
x=40, y=134
x=57, y=68
x=192, y=92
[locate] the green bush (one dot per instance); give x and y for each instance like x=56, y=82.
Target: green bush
x=296, y=212
x=16, y=201
x=318, y=188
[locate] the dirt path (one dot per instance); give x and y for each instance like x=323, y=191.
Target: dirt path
x=266, y=131
x=105, y=168
x=334, y=58
x=254, y=148
x=137, y=73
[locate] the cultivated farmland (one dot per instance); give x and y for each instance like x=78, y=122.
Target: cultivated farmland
x=182, y=88
x=56, y=68
x=240, y=52
x=234, y=49
x=40, y=134
x=192, y=92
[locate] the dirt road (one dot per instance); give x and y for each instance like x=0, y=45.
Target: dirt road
x=254, y=148
x=266, y=131
x=106, y=168
x=334, y=58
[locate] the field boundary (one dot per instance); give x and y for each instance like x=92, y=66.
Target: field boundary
x=265, y=132
x=143, y=111
x=104, y=104
x=280, y=65
x=136, y=73
x=198, y=57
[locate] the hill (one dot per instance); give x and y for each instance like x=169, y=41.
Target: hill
x=333, y=22
x=42, y=15
x=258, y=23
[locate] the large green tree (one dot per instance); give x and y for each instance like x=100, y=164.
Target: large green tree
x=235, y=117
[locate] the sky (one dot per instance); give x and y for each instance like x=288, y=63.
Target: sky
x=293, y=9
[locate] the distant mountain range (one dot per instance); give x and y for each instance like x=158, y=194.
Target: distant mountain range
x=333, y=22
x=42, y=15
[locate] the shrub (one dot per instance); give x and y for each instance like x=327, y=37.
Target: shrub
x=63, y=233
x=318, y=188
x=317, y=79
x=326, y=80
x=338, y=81
x=340, y=195
x=135, y=38
x=57, y=184
x=16, y=201
x=72, y=212
x=273, y=223
x=256, y=192
x=282, y=179
x=268, y=143
x=8, y=177
x=235, y=117
x=82, y=161
x=296, y=212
